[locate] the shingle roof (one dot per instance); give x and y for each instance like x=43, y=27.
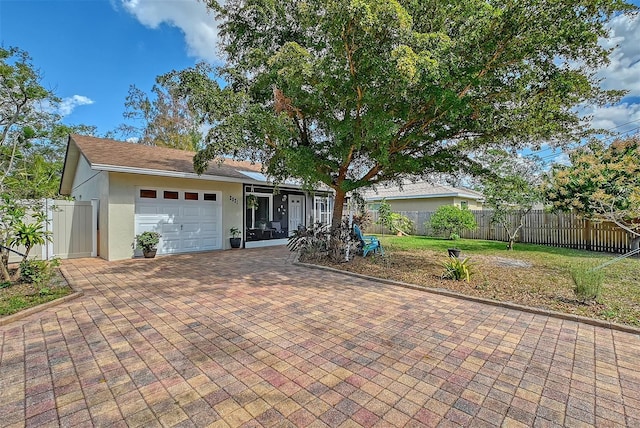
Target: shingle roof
x=419, y=190
x=102, y=152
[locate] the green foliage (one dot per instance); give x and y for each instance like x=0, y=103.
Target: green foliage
x=385, y=214
x=602, y=183
x=393, y=221
x=457, y=269
x=31, y=234
x=511, y=190
x=352, y=93
x=587, y=282
x=454, y=236
x=451, y=220
x=22, y=118
x=235, y=232
x=37, y=271
x=148, y=241
x=311, y=243
x=162, y=119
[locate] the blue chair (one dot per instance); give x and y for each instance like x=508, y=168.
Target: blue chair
x=368, y=243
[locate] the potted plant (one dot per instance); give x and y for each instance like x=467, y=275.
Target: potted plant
x=235, y=239
x=454, y=251
x=148, y=242
x=252, y=202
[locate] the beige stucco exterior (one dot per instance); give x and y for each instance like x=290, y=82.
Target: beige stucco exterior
x=117, y=195
x=428, y=204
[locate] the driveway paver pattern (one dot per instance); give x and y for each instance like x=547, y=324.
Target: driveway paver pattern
x=245, y=338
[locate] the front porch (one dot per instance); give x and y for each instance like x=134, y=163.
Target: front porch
x=271, y=216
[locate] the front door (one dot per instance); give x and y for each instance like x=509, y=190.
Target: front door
x=296, y=215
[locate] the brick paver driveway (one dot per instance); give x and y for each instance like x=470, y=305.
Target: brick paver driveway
x=243, y=337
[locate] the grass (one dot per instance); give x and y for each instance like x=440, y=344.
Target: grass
x=532, y=275
x=17, y=297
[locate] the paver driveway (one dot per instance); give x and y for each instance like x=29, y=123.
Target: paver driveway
x=243, y=337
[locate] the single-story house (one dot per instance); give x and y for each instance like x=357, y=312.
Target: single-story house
x=146, y=188
x=422, y=196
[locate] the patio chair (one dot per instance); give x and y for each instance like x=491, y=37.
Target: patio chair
x=368, y=243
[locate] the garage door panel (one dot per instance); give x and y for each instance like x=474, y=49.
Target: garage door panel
x=185, y=226
x=193, y=211
x=209, y=227
x=212, y=243
x=147, y=209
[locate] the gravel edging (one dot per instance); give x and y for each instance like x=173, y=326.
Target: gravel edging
x=44, y=306
x=507, y=305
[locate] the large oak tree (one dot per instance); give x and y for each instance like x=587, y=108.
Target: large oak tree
x=350, y=93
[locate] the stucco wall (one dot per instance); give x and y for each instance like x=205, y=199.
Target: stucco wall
x=122, y=194
x=90, y=184
x=427, y=204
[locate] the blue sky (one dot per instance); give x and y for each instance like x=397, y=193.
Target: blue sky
x=90, y=51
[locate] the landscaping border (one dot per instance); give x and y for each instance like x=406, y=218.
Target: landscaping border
x=508, y=305
x=44, y=306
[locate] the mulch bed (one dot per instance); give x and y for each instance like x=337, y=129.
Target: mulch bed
x=501, y=278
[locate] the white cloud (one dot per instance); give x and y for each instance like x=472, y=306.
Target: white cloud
x=190, y=16
x=67, y=105
x=624, y=69
x=619, y=119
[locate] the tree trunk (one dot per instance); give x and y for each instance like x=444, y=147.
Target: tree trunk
x=335, y=242
x=4, y=263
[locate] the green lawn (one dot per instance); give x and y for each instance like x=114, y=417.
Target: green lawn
x=533, y=275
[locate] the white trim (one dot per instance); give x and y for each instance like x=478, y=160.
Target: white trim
x=253, y=211
x=95, y=204
x=429, y=196
x=266, y=243
x=180, y=174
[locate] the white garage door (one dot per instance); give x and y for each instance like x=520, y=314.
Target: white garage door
x=187, y=220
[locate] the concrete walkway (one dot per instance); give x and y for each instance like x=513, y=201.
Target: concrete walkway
x=244, y=338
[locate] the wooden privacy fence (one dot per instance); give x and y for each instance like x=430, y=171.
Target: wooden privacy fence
x=540, y=227
x=73, y=226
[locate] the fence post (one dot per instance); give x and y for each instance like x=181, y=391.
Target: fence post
x=95, y=204
x=47, y=248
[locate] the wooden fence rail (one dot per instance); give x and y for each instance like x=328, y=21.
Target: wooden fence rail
x=540, y=227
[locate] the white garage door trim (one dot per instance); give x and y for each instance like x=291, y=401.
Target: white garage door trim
x=186, y=225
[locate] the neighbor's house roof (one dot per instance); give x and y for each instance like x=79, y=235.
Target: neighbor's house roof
x=117, y=156
x=419, y=190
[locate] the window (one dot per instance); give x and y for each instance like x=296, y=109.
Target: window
x=464, y=205
x=190, y=196
x=144, y=193
x=261, y=213
x=170, y=195
x=322, y=209
x=209, y=197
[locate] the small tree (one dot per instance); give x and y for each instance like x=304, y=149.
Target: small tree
x=602, y=183
x=451, y=220
x=393, y=221
x=511, y=191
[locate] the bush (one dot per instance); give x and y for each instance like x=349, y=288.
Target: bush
x=313, y=243
x=37, y=271
x=458, y=269
x=587, y=282
x=395, y=222
x=450, y=220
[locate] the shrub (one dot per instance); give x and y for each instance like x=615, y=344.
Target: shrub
x=312, y=243
x=395, y=222
x=458, y=269
x=587, y=282
x=147, y=241
x=450, y=220
x=37, y=271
